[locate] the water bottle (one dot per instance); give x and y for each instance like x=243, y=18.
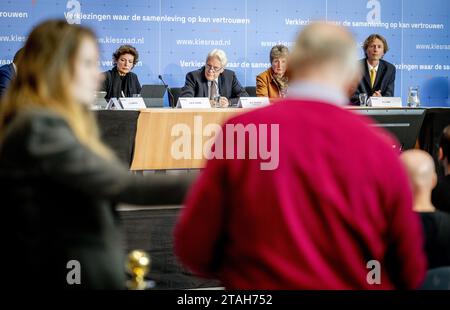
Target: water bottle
x=363, y=99
x=216, y=101
x=413, y=97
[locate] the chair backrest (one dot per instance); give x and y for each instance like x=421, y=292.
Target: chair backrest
x=176, y=94
x=437, y=279
x=153, y=91
x=153, y=95
x=251, y=90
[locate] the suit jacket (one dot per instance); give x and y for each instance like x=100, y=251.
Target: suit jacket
x=7, y=73
x=196, y=85
x=437, y=237
x=441, y=194
x=113, y=84
x=266, y=86
x=59, y=203
x=384, y=81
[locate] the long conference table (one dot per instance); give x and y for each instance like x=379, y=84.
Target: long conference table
x=145, y=139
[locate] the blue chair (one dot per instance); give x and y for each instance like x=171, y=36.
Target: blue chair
x=437, y=279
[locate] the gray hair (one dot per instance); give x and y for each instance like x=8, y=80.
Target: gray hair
x=219, y=54
x=278, y=51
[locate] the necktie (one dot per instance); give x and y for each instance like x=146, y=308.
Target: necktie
x=213, y=90
x=373, y=74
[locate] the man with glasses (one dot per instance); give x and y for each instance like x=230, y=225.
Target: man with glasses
x=214, y=82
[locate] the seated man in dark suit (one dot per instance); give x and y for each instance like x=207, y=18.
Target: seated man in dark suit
x=378, y=74
x=441, y=193
x=7, y=72
x=214, y=81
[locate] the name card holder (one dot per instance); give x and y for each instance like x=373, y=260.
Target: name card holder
x=253, y=102
x=132, y=103
x=113, y=104
x=193, y=103
x=386, y=102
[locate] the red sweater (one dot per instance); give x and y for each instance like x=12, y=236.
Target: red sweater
x=338, y=199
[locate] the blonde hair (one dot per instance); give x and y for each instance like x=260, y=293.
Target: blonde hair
x=45, y=72
x=278, y=51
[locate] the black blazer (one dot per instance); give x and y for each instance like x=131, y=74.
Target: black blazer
x=440, y=196
x=437, y=238
x=196, y=85
x=384, y=81
x=7, y=73
x=113, y=84
x=58, y=200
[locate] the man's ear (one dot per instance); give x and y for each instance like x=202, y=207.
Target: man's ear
x=434, y=181
x=441, y=154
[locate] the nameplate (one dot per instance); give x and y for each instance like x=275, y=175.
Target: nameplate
x=253, y=102
x=132, y=103
x=386, y=102
x=193, y=103
x=113, y=104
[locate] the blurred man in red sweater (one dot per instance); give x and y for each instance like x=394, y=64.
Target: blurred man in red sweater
x=336, y=210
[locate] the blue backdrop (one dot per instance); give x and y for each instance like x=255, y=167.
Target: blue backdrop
x=174, y=36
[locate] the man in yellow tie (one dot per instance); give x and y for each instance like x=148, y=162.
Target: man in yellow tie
x=378, y=75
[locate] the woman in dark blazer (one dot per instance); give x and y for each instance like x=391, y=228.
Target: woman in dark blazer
x=59, y=183
x=120, y=81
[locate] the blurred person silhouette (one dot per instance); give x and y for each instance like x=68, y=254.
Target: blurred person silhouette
x=59, y=182
x=312, y=215
x=8, y=72
x=436, y=224
x=441, y=193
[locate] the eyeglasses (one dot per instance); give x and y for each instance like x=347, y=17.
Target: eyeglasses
x=215, y=69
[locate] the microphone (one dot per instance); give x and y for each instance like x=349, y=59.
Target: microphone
x=173, y=103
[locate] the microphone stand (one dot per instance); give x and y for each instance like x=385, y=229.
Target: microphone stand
x=169, y=91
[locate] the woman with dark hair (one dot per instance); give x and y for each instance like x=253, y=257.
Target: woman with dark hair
x=120, y=81
x=59, y=183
